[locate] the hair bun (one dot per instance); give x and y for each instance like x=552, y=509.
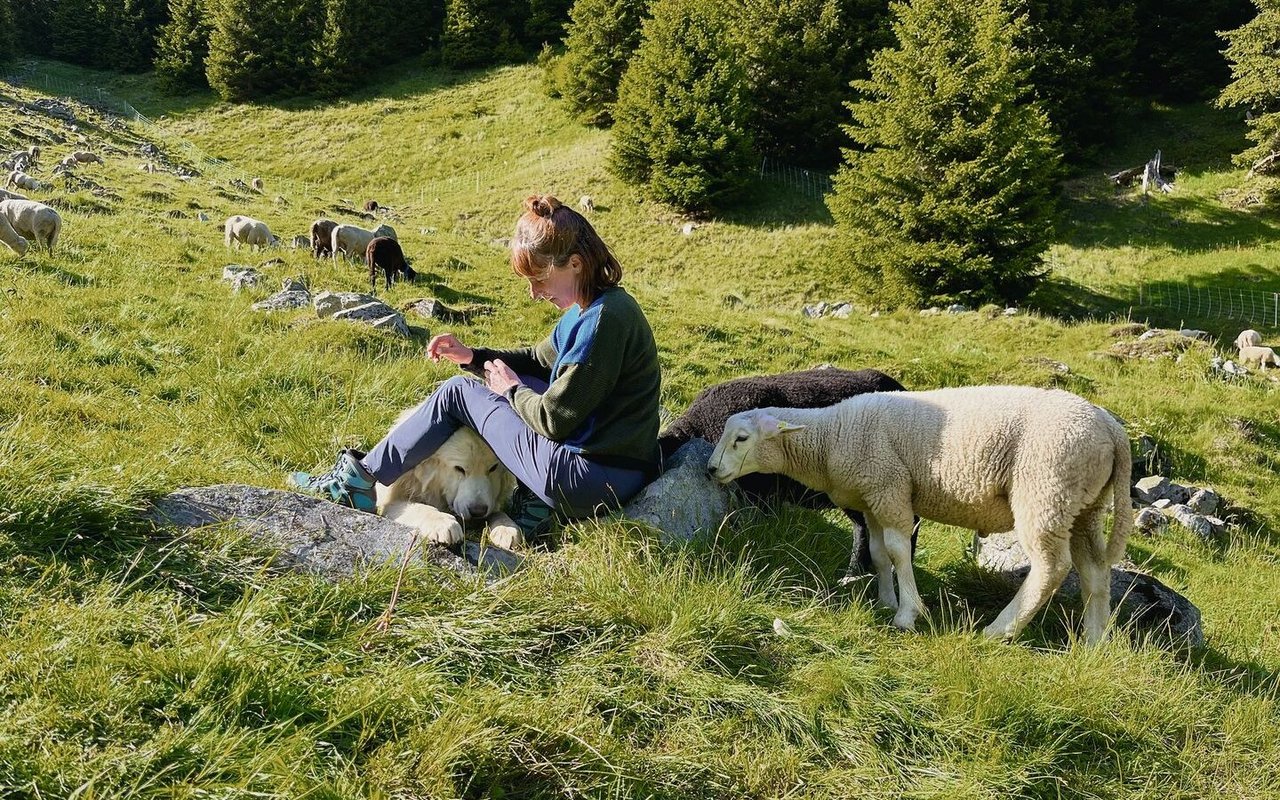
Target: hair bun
x=544, y=205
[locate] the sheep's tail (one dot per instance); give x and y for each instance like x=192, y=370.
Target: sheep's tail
x=1121, y=475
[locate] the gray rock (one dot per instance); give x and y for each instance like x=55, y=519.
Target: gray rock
x=1177, y=493
x=366, y=312
x=1139, y=601
x=281, y=301
x=1204, y=501
x=842, y=310
x=1162, y=503
x=814, y=311
x=1011, y=312
x=684, y=502
x=329, y=303
x=300, y=243
x=1151, y=488
x=394, y=323
x=203, y=217
x=434, y=309
x=310, y=535
x=957, y=308
x=1193, y=333
x=1150, y=521
x=1196, y=523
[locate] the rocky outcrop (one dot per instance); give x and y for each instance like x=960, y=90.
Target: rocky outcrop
x=684, y=502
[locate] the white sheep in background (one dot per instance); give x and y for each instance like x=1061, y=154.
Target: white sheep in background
x=35, y=221
x=1249, y=338
x=353, y=240
x=257, y=185
x=1262, y=356
x=68, y=163
x=1044, y=463
x=586, y=205
x=244, y=230
x=10, y=237
x=22, y=180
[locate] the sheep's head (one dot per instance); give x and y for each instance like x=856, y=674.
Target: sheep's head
x=738, y=452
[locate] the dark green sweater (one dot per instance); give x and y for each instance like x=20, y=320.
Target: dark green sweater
x=601, y=364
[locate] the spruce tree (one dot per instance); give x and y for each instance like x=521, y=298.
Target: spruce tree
x=353, y=40
x=77, y=31
x=801, y=56
x=1254, y=53
x=545, y=22
x=8, y=38
x=602, y=37
x=477, y=33
x=183, y=45
x=681, y=132
x=949, y=194
x=34, y=25
x=262, y=48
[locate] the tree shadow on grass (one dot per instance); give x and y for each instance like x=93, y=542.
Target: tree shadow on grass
x=769, y=203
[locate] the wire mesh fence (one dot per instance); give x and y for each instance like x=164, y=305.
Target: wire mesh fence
x=1212, y=302
x=811, y=183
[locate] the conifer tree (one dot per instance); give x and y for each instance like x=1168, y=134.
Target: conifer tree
x=1254, y=53
x=681, y=130
x=77, y=30
x=602, y=37
x=545, y=22
x=262, y=48
x=33, y=27
x=8, y=38
x=949, y=193
x=353, y=40
x=183, y=45
x=477, y=33
x=801, y=56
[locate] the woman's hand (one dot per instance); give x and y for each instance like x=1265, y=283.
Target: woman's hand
x=499, y=377
x=446, y=345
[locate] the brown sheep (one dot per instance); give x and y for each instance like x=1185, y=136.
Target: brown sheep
x=321, y=234
x=386, y=253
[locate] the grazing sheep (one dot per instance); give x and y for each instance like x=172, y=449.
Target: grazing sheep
x=585, y=204
x=10, y=237
x=33, y=152
x=1262, y=356
x=34, y=221
x=85, y=157
x=68, y=163
x=1042, y=462
x=1249, y=338
x=322, y=237
x=371, y=206
x=385, y=253
x=353, y=241
x=7, y=195
x=248, y=231
x=24, y=181
x=257, y=185
x=811, y=388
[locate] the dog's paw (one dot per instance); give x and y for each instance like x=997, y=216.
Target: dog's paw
x=446, y=530
x=504, y=533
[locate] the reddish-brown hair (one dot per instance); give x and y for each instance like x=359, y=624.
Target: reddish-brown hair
x=549, y=233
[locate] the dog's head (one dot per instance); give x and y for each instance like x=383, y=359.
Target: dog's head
x=463, y=477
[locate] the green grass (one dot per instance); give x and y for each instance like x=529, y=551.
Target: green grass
x=136, y=664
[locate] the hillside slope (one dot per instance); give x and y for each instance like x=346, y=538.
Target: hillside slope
x=136, y=665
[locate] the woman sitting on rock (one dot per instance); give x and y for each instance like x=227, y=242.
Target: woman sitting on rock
x=575, y=417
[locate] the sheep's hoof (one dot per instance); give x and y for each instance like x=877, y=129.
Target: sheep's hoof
x=904, y=622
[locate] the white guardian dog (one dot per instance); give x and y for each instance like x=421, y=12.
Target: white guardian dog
x=461, y=482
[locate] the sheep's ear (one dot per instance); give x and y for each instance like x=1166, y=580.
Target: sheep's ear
x=769, y=426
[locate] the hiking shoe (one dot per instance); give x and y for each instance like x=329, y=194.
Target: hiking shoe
x=531, y=515
x=348, y=483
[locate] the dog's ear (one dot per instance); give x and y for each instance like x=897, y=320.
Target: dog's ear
x=508, y=485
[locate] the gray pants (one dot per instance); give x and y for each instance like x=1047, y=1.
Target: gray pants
x=567, y=481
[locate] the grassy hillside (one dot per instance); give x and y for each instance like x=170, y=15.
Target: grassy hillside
x=138, y=665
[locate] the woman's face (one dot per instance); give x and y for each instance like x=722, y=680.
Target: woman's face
x=560, y=286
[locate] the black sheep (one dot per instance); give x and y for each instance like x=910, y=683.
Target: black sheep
x=811, y=388
x=322, y=238
x=385, y=252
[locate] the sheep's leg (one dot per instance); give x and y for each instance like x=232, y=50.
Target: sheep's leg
x=895, y=534
x=1050, y=561
x=883, y=564
x=1088, y=554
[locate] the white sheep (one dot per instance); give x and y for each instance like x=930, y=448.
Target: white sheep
x=7, y=195
x=68, y=163
x=10, y=237
x=34, y=221
x=353, y=240
x=257, y=185
x=1044, y=463
x=1249, y=338
x=586, y=204
x=244, y=230
x=1262, y=356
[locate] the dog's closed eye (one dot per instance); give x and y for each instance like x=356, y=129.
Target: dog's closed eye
x=494, y=468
